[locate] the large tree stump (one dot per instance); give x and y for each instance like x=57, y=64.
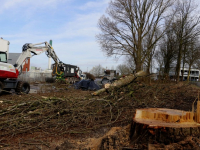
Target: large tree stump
x=163, y=125
x=162, y=117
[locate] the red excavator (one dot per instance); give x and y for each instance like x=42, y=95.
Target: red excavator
x=9, y=73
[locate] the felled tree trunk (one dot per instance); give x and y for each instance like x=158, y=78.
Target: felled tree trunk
x=122, y=82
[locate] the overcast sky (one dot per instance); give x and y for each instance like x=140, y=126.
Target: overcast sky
x=71, y=24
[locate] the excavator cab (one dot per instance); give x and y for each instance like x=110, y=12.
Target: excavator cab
x=62, y=68
x=4, y=50
x=3, y=57
x=9, y=73
x=70, y=72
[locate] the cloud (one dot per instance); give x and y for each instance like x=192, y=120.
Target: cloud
x=10, y=4
x=80, y=25
x=94, y=4
x=83, y=26
x=29, y=6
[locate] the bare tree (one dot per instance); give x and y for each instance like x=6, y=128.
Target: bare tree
x=192, y=55
x=159, y=59
x=196, y=64
x=129, y=62
x=186, y=26
x=128, y=23
x=149, y=57
x=123, y=69
x=166, y=50
x=97, y=70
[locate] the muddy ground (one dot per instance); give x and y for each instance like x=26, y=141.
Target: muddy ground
x=60, y=117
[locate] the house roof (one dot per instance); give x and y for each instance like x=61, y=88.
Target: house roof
x=12, y=58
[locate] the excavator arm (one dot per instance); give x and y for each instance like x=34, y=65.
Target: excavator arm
x=29, y=50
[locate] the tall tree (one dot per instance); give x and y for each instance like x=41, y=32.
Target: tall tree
x=186, y=26
x=149, y=57
x=167, y=48
x=128, y=23
x=165, y=53
x=192, y=55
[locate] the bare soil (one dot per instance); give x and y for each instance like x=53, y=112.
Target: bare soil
x=65, y=118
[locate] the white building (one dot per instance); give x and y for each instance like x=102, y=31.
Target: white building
x=194, y=74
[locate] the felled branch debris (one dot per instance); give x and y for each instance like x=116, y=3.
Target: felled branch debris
x=61, y=114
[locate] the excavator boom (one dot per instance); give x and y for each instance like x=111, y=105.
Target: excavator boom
x=9, y=73
x=29, y=50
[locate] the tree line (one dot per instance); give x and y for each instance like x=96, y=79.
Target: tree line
x=99, y=70
x=152, y=33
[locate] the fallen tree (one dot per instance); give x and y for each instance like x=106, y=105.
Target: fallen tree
x=122, y=82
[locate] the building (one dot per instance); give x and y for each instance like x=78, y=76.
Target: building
x=194, y=74
x=12, y=58
x=110, y=72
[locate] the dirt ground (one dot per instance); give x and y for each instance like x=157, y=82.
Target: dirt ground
x=61, y=117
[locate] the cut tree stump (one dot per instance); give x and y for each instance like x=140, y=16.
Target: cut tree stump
x=164, y=125
x=162, y=117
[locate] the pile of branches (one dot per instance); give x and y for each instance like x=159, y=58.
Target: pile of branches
x=62, y=115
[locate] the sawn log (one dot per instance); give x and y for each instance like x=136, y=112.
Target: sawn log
x=119, y=83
